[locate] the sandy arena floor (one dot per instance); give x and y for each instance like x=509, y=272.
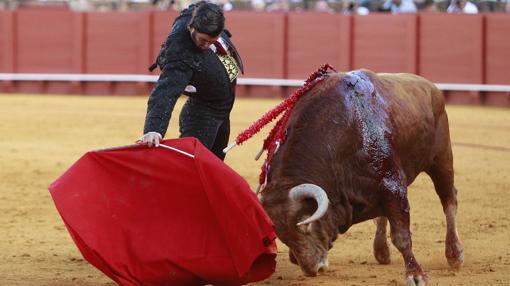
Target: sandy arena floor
x=41, y=136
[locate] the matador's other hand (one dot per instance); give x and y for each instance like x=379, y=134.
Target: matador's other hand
x=150, y=138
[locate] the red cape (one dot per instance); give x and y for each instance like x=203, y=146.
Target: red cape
x=152, y=216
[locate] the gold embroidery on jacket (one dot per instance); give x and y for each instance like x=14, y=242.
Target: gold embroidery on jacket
x=230, y=65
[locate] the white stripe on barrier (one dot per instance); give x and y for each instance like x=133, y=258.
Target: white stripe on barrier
x=473, y=87
x=77, y=77
x=240, y=81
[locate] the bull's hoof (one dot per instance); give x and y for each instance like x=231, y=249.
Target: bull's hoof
x=456, y=262
x=455, y=256
x=382, y=251
x=382, y=256
x=416, y=280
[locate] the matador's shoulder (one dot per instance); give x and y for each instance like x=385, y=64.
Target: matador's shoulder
x=179, y=49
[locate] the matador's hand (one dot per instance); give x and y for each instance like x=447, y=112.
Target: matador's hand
x=150, y=138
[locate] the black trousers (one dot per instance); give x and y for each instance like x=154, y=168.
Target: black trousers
x=211, y=129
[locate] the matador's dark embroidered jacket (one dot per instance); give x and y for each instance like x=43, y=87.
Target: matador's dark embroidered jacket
x=182, y=63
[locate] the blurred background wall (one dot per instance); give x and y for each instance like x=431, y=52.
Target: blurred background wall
x=445, y=48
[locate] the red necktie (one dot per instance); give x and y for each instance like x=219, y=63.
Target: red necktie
x=219, y=48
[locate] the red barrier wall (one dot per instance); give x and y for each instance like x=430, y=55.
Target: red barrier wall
x=7, y=48
x=385, y=43
x=261, y=40
x=47, y=49
x=117, y=43
x=307, y=49
x=44, y=49
x=6, y=41
x=451, y=50
x=497, y=57
x=441, y=47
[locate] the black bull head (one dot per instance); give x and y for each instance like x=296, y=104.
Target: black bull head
x=354, y=143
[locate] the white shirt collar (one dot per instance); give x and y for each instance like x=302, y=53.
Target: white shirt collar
x=223, y=44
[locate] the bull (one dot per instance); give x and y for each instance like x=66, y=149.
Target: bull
x=353, y=145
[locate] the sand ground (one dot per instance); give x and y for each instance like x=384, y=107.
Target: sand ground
x=41, y=136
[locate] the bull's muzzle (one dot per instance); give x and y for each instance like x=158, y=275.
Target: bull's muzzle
x=312, y=270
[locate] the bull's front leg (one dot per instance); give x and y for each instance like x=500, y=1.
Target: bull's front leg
x=397, y=211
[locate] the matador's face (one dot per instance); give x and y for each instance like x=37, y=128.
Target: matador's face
x=203, y=41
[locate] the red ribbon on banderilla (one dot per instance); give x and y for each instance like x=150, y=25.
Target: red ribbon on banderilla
x=276, y=136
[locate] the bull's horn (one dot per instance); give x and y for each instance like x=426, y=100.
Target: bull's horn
x=314, y=192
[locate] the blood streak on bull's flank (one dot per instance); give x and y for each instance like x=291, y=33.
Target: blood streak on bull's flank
x=371, y=115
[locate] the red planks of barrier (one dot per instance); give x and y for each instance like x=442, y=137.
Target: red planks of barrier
x=117, y=43
x=260, y=39
x=43, y=50
x=497, y=47
x=385, y=43
x=444, y=48
x=451, y=50
x=261, y=91
x=260, y=45
x=48, y=49
x=496, y=98
x=317, y=38
x=130, y=88
x=462, y=97
x=6, y=41
x=497, y=62
x=7, y=48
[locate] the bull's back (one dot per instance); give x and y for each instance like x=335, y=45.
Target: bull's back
x=414, y=90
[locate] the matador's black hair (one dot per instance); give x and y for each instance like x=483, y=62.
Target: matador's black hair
x=207, y=18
